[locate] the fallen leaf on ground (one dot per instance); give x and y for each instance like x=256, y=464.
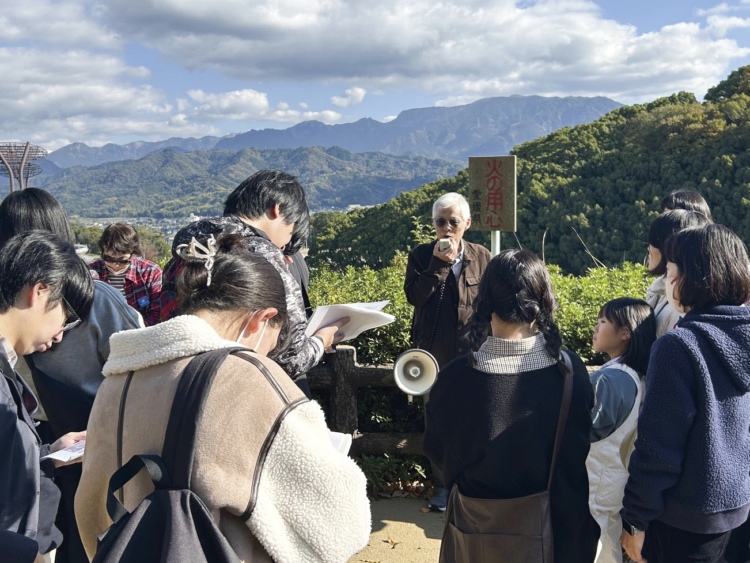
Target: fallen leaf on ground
x=425, y=509
x=391, y=543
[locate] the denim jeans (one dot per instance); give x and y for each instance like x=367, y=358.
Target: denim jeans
x=667, y=544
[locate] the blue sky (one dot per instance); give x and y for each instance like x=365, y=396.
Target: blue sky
x=124, y=70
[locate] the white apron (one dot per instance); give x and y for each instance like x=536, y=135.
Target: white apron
x=608, y=475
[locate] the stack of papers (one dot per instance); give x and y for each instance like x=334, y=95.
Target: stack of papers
x=362, y=317
x=68, y=454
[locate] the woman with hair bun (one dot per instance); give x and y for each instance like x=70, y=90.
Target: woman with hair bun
x=493, y=414
x=259, y=440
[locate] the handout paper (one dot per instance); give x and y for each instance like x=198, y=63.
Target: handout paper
x=362, y=317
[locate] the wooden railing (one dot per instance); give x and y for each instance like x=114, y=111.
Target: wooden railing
x=342, y=377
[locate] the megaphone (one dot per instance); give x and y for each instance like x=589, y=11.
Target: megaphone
x=415, y=372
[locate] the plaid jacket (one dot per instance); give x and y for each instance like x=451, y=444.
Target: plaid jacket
x=142, y=286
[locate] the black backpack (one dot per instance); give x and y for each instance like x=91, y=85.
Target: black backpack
x=171, y=525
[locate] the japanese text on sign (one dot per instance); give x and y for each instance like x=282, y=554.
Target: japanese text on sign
x=492, y=193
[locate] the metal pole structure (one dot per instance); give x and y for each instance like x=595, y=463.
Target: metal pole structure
x=10, y=172
x=494, y=243
x=23, y=163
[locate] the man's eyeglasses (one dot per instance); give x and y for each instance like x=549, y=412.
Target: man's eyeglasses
x=441, y=222
x=72, y=320
x=111, y=260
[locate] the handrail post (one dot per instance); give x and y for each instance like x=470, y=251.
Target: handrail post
x=344, y=390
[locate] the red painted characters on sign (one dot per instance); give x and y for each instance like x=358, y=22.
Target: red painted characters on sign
x=494, y=184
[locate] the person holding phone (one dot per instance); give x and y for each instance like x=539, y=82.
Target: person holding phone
x=442, y=283
x=442, y=279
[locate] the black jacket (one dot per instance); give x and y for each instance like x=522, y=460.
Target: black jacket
x=28, y=496
x=493, y=435
x=443, y=304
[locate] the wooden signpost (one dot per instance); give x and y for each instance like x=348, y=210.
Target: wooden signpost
x=492, y=196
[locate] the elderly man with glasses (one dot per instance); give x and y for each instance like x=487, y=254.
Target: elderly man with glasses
x=442, y=285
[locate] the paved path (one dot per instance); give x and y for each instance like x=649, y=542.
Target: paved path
x=416, y=534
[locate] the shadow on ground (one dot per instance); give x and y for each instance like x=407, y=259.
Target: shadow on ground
x=402, y=533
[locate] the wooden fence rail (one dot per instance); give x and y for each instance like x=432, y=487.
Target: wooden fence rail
x=342, y=377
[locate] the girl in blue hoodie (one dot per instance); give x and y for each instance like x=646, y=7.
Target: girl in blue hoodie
x=688, y=494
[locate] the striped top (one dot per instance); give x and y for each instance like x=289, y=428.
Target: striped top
x=118, y=281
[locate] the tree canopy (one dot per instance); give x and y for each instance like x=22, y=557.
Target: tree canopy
x=602, y=181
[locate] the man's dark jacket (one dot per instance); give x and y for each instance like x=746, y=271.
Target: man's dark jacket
x=425, y=274
x=28, y=497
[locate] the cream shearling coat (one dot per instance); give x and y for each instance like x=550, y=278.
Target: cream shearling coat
x=311, y=505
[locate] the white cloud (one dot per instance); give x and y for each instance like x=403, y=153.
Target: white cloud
x=470, y=49
x=720, y=25
x=65, y=23
x=352, y=96
x=389, y=118
x=245, y=105
x=718, y=9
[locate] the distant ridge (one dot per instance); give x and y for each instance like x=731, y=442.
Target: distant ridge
x=168, y=183
x=79, y=154
x=487, y=126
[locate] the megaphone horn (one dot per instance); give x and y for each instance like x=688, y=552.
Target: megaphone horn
x=415, y=372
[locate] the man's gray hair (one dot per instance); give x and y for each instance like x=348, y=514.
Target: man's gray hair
x=451, y=199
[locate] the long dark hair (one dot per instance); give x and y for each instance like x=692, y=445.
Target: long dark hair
x=637, y=317
x=240, y=280
x=687, y=199
x=33, y=209
x=517, y=288
x=666, y=225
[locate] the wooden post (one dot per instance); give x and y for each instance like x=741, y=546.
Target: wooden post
x=344, y=390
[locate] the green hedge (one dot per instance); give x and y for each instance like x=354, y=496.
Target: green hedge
x=579, y=298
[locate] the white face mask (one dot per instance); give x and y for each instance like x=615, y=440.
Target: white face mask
x=244, y=326
x=669, y=289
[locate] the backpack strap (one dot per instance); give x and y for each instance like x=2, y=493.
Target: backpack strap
x=189, y=402
x=289, y=405
x=156, y=470
x=566, y=368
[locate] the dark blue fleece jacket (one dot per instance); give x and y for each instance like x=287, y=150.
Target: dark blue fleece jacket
x=691, y=465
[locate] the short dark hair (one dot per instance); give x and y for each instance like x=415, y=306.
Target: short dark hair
x=264, y=189
x=712, y=262
x=687, y=199
x=31, y=209
x=120, y=238
x=299, y=236
x=637, y=317
x=517, y=288
x=41, y=257
x=240, y=280
x=667, y=224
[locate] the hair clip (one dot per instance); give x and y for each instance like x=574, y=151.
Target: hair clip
x=197, y=251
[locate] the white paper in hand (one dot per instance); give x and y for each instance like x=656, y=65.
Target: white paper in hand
x=341, y=442
x=362, y=317
x=68, y=454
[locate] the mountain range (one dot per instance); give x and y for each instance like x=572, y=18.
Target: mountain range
x=487, y=126
x=168, y=183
